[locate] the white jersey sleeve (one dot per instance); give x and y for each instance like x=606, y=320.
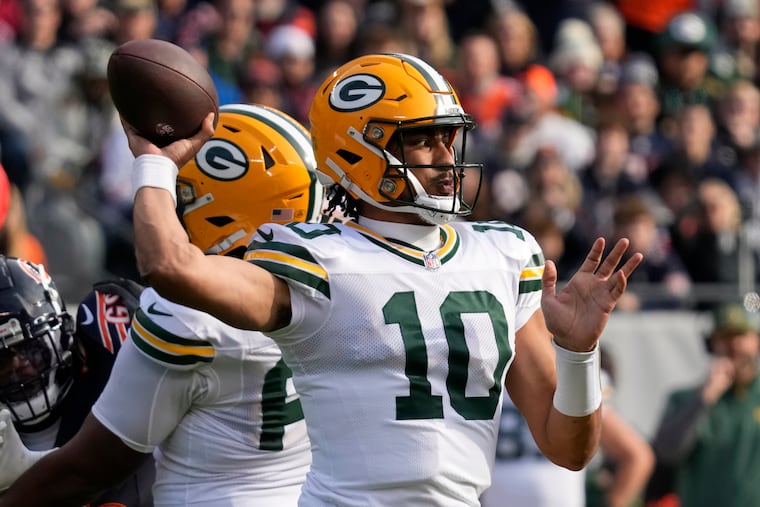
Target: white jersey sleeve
x=144, y=421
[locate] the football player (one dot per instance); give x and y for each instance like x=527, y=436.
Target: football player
x=52, y=371
x=402, y=326
x=215, y=403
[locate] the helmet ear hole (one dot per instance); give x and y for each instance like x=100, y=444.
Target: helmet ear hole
x=219, y=221
x=268, y=160
x=349, y=156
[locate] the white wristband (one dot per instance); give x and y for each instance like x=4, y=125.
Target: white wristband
x=579, y=386
x=154, y=171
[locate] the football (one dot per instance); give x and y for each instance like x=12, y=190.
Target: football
x=160, y=89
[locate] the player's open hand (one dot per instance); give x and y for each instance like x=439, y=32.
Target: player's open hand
x=180, y=151
x=15, y=458
x=578, y=313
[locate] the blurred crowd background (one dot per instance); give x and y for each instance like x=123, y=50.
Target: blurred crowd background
x=634, y=118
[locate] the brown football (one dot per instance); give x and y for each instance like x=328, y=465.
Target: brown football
x=160, y=89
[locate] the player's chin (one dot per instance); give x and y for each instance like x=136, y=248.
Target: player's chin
x=443, y=190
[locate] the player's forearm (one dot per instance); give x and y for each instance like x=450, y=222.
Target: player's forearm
x=574, y=424
x=572, y=441
x=51, y=481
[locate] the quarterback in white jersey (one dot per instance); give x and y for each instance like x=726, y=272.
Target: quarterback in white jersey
x=402, y=327
x=214, y=404
x=438, y=357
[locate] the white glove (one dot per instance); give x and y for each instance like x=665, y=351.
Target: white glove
x=15, y=458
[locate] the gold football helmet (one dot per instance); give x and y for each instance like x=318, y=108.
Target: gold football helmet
x=372, y=101
x=258, y=167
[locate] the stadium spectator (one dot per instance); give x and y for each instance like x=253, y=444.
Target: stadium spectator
x=338, y=27
x=737, y=121
x=739, y=24
x=31, y=106
x=707, y=432
x=683, y=56
x=695, y=150
x=612, y=175
x=662, y=272
x=712, y=241
x=135, y=19
x=484, y=92
x=85, y=19
x=576, y=62
x=292, y=49
x=426, y=26
x=517, y=38
x=639, y=108
x=608, y=26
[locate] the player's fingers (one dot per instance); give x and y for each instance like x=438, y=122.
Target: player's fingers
x=619, y=283
x=631, y=264
x=208, y=124
x=594, y=256
x=549, y=279
x=613, y=258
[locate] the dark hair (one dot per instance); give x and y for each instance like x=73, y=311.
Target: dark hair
x=338, y=197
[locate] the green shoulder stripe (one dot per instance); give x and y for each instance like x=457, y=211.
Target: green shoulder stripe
x=291, y=262
x=167, y=348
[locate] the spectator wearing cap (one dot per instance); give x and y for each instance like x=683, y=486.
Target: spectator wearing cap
x=710, y=433
x=576, y=62
x=684, y=50
x=638, y=106
x=293, y=50
x=135, y=19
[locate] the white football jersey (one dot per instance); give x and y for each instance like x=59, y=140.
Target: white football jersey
x=400, y=355
x=523, y=476
x=217, y=405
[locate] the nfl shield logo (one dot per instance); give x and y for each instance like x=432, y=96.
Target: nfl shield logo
x=432, y=262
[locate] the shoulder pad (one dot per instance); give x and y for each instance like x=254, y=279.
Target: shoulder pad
x=104, y=315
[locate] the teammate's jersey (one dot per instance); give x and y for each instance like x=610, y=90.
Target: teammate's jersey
x=400, y=355
x=523, y=476
x=216, y=403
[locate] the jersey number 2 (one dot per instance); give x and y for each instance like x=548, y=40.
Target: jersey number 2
x=421, y=403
